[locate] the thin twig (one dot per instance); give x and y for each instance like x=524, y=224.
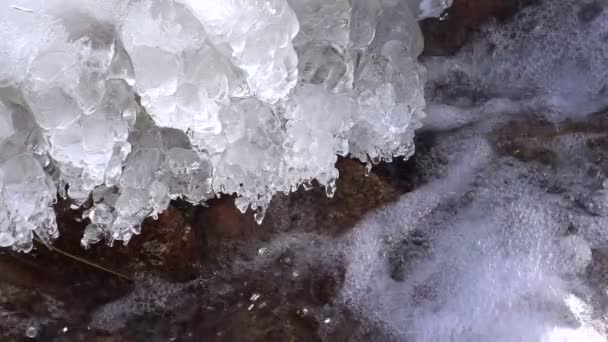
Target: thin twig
x=90, y=263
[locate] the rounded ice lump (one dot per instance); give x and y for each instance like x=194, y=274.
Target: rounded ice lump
x=122, y=105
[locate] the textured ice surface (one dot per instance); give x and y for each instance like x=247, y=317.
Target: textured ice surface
x=125, y=105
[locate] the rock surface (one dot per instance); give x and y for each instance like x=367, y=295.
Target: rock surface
x=445, y=36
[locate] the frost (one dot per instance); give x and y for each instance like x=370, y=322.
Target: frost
x=125, y=105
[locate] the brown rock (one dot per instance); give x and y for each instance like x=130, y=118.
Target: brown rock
x=445, y=36
x=313, y=211
x=225, y=222
x=357, y=194
x=167, y=245
x=529, y=139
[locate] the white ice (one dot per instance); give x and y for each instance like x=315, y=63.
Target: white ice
x=123, y=105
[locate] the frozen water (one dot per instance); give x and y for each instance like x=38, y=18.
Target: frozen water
x=141, y=102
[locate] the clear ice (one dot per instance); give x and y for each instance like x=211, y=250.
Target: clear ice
x=122, y=106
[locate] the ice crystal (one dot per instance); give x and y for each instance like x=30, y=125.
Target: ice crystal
x=124, y=105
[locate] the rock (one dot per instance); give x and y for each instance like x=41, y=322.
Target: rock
x=446, y=35
x=166, y=246
x=312, y=211
x=223, y=229
x=302, y=211
x=530, y=138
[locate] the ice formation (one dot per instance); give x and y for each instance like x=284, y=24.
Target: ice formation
x=125, y=105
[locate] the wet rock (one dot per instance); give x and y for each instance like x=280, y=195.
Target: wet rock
x=261, y=305
x=302, y=211
x=531, y=138
x=224, y=230
x=223, y=221
x=166, y=246
x=446, y=35
x=312, y=211
x=60, y=285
